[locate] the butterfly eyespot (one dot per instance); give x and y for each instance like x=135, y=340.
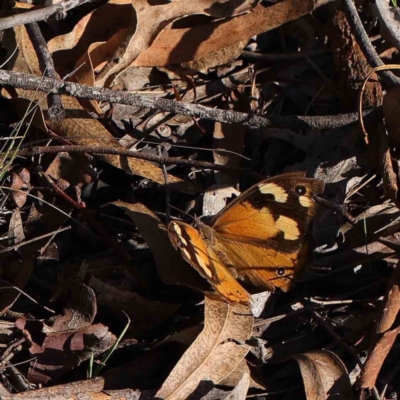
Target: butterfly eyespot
x=280, y=271
x=301, y=190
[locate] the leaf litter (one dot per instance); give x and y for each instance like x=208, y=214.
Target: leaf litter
x=84, y=233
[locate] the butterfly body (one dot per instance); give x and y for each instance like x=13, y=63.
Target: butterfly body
x=262, y=236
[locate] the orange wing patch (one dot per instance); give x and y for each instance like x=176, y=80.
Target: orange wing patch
x=195, y=251
x=245, y=222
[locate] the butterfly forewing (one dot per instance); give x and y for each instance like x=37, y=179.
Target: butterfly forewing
x=264, y=232
x=201, y=257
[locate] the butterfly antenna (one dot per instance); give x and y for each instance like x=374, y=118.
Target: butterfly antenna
x=183, y=212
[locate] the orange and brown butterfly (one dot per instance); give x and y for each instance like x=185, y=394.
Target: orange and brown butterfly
x=262, y=236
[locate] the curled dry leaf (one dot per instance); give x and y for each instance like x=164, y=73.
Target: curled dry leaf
x=234, y=378
x=79, y=312
x=215, y=353
x=324, y=375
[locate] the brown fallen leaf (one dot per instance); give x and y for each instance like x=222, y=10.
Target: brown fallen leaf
x=199, y=47
x=324, y=375
x=153, y=18
x=175, y=46
x=16, y=228
x=20, y=182
x=214, y=354
x=240, y=391
x=233, y=379
x=92, y=27
x=90, y=389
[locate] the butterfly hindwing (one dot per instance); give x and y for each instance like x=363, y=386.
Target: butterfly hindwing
x=196, y=252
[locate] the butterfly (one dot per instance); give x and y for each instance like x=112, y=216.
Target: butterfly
x=262, y=236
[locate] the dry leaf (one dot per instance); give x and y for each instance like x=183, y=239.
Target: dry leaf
x=152, y=19
x=175, y=46
x=16, y=232
x=324, y=375
x=240, y=391
x=215, y=198
x=213, y=355
x=233, y=379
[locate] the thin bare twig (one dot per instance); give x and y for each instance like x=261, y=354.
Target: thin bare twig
x=32, y=82
x=36, y=150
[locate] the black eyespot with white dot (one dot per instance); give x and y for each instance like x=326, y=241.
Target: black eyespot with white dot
x=300, y=190
x=280, y=271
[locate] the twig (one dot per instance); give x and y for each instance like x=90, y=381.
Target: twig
x=167, y=188
x=365, y=44
x=11, y=286
x=32, y=82
x=253, y=56
x=59, y=10
x=56, y=110
x=24, y=243
x=36, y=150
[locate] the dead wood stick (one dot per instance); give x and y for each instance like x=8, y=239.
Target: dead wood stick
x=32, y=82
x=36, y=150
x=56, y=110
